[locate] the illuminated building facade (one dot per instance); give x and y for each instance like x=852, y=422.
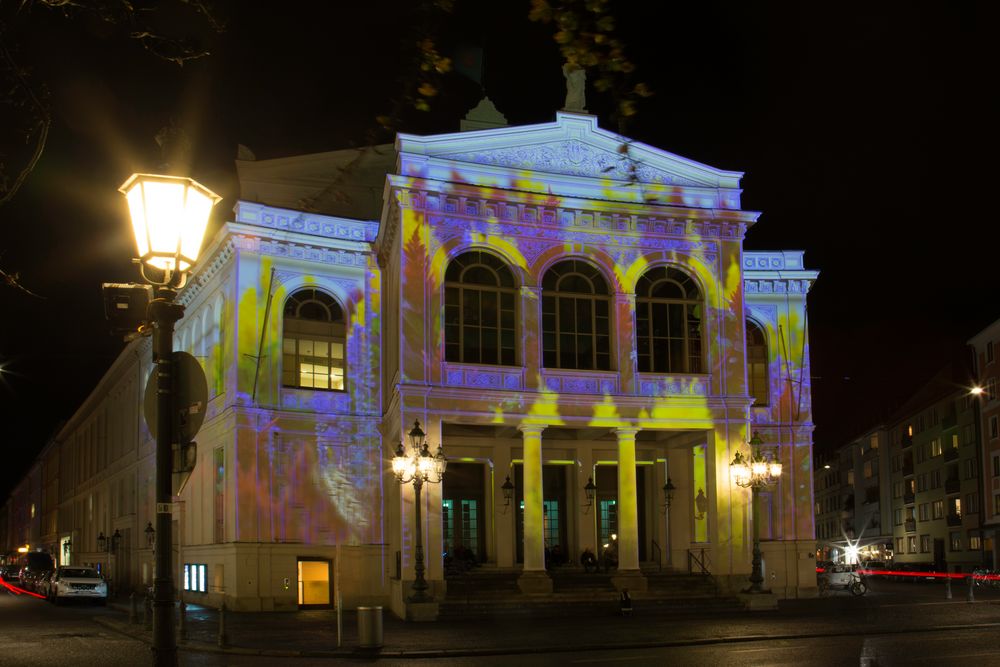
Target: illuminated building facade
x=551, y=307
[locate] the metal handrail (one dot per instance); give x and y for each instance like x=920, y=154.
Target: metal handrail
x=700, y=558
x=658, y=554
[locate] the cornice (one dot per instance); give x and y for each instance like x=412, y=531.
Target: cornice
x=290, y=250
x=205, y=273
x=312, y=224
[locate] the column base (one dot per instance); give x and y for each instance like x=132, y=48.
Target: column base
x=422, y=612
x=535, y=583
x=632, y=580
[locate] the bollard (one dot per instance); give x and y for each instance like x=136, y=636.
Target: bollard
x=970, y=597
x=223, y=640
x=947, y=588
x=182, y=625
x=132, y=615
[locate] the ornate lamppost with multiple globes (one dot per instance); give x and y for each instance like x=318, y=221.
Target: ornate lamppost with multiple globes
x=755, y=472
x=169, y=217
x=417, y=465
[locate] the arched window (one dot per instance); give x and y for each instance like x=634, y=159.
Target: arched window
x=313, y=341
x=480, y=322
x=668, y=322
x=757, y=364
x=576, y=330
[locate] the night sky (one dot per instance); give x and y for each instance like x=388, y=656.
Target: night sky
x=867, y=136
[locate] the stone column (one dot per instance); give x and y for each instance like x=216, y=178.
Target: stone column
x=533, y=579
x=628, y=514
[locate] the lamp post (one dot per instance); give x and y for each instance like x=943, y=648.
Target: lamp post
x=169, y=217
x=417, y=465
x=756, y=472
x=589, y=490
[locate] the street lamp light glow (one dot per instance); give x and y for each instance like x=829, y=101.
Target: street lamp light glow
x=976, y=391
x=169, y=217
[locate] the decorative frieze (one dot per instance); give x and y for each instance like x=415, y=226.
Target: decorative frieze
x=327, y=226
x=557, y=217
x=672, y=385
x=294, y=251
x=483, y=377
x=580, y=382
x=777, y=286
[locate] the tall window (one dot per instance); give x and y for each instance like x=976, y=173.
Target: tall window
x=313, y=343
x=479, y=314
x=219, y=504
x=757, y=364
x=576, y=329
x=668, y=322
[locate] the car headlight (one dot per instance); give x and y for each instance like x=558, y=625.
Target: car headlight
x=102, y=588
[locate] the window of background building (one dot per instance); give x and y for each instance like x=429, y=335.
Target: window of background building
x=757, y=364
x=923, y=511
x=919, y=454
x=975, y=541
x=921, y=482
x=899, y=545
x=996, y=465
x=970, y=468
x=994, y=428
x=955, y=506
x=956, y=541
x=936, y=447
x=313, y=341
x=576, y=325
x=996, y=504
x=897, y=489
x=873, y=442
x=991, y=389
x=989, y=351
x=898, y=515
x=908, y=513
x=972, y=503
x=935, y=479
x=480, y=322
x=968, y=434
x=668, y=318
x=868, y=469
x=194, y=577
x=925, y=544
x=912, y=546
x=938, y=509
x=850, y=478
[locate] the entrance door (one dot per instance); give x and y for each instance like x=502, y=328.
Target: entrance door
x=463, y=522
x=314, y=582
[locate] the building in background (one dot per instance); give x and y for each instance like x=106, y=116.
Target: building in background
x=985, y=348
x=551, y=308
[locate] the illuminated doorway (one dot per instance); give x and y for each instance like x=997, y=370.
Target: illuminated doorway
x=463, y=526
x=314, y=582
x=606, y=479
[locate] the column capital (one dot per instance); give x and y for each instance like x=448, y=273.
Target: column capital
x=532, y=428
x=625, y=432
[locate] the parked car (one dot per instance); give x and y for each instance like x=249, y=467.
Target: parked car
x=70, y=582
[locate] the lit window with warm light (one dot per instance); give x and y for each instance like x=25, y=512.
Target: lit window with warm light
x=313, y=342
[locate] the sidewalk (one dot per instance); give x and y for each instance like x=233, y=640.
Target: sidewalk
x=314, y=633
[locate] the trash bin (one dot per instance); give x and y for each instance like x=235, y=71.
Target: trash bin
x=370, y=627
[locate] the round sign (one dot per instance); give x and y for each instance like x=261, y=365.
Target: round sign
x=190, y=398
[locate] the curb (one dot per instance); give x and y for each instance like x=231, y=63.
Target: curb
x=367, y=654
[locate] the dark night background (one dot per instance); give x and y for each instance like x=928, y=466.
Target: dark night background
x=866, y=134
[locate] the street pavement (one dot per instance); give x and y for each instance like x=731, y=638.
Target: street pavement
x=889, y=608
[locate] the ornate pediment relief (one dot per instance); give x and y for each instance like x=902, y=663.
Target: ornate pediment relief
x=573, y=157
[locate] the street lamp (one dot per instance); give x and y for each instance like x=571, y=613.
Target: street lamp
x=169, y=217
x=756, y=472
x=668, y=494
x=110, y=546
x=508, y=493
x=418, y=466
x=590, y=490
x=150, y=534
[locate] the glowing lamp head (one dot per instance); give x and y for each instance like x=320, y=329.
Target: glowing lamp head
x=169, y=217
x=740, y=470
x=851, y=554
x=399, y=462
x=440, y=462
x=976, y=391
x=774, y=469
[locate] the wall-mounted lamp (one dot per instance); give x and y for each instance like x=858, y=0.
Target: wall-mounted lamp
x=508, y=493
x=668, y=494
x=150, y=534
x=109, y=544
x=590, y=490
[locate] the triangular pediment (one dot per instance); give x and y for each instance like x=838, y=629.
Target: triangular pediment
x=572, y=146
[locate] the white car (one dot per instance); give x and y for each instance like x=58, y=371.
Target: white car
x=69, y=582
